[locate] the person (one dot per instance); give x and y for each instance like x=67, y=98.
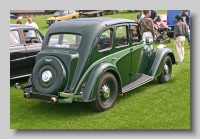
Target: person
x=147, y=26
x=138, y=16
x=134, y=34
x=154, y=16
x=180, y=30
x=142, y=16
x=186, y=20
x=19, y=22
x=31, y=33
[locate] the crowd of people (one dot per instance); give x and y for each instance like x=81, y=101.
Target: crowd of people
x=149, y=19
x=149, y=22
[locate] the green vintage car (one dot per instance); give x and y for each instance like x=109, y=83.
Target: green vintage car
x=100, y=59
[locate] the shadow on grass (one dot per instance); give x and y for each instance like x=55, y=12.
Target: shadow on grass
x=75, y=109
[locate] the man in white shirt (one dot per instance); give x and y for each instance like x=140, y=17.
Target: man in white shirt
x=31, y=33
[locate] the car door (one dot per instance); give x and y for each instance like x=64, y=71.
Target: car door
x=122, y=46
x=18, y=54
x=33, y=47
x=136, y=52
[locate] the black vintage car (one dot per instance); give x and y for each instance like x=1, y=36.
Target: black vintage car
x=23, y=49
x=103, y=58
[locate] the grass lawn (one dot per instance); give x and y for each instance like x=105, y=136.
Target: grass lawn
x=151, y=106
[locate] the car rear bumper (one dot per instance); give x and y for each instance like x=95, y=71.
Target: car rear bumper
x=61, y=97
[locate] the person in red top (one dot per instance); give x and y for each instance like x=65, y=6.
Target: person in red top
x=186, y=20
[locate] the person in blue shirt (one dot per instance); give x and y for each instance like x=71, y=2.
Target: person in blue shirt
x=139, y=16
x=154, y=16
x=186, y=20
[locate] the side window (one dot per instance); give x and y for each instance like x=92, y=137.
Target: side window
x=105, y=40
x=121, y=36
x=14, y=38
x=32, y=36
x=134, y=34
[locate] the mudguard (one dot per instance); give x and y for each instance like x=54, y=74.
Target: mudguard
x=91, y=81
x=156, y=61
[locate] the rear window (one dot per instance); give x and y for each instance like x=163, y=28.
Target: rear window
x=64, y=41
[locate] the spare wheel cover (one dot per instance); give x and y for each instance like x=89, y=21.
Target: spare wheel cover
x=49, y=75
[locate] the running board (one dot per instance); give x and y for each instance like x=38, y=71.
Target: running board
x=143, y=79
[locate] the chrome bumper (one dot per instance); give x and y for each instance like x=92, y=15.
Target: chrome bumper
x=62, y=94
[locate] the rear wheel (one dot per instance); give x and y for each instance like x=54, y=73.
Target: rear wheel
x=166, y=72
x=73, y=17
x=106, y=93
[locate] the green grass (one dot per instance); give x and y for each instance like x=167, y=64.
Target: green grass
x=151, y=106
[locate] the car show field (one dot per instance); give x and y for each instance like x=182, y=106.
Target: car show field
x=151, y=106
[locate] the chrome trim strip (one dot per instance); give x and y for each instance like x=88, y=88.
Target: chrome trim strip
x=32, y=56
x=18, y=59
x=21, y=76
x=23, y=58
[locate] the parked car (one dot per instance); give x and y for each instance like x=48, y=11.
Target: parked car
x=12, y=16
x=61, y=15
x=96, y=13
x=104, y=58
x=133, y=11
x=23, y=50
x=50, y=11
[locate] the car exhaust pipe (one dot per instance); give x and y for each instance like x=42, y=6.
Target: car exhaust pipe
x=53, y=100
x=27, y=95
x=120, y=95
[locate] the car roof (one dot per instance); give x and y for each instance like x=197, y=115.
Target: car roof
x=101, y=20
x=16, y=26
x=82, y=25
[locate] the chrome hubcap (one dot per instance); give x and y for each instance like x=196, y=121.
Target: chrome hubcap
x=166, y=68
x=46, y=76
x=106, y=91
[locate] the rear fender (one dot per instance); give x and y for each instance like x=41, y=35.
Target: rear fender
x=91, y=81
